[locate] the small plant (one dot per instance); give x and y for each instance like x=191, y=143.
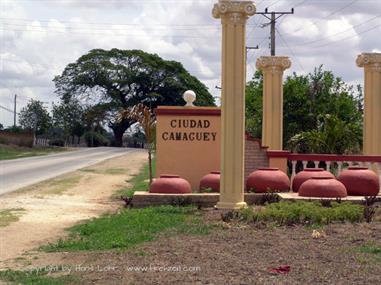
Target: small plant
x=269, y=197
x=326, y=203
x=206, y=190
x=251, y=190
x=181, y=201
x=369, y=213
x=229, y=216
x=127, y=201
x=369, y=200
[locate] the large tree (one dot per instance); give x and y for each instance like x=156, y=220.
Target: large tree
x=313, y=105
x=34, y=116
x=117, y=79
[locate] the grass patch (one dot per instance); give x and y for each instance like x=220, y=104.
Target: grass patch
x=372, y=251
x=306, y=213
x=129, y=228
x=139, y=182
x=9, y=216
x=58, y=186
x=109, y=171
x=13, y=152
x=36, y=277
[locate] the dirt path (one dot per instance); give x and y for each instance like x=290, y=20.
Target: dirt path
x=47, y=208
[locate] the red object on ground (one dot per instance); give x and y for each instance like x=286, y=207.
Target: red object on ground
x=306, y=174
x=212, y=181
x=170, y=184
x=268, y=179
x=283, y=269
x=360, y=181
x=324, y=187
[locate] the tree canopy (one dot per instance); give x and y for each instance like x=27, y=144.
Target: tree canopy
x=320, y=112
x=112, y=80
x=34, y=116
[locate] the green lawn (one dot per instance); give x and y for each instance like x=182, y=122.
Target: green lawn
x=13, y=152
x=129, y=228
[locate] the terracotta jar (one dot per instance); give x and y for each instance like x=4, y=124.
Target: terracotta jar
x=308, y=173
x=268, y=179
x=360, y=181
x=211, y=181
x=324, y=187
x=170, y=184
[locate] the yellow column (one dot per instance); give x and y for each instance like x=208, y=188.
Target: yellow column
x=272, y=117
x=372, y=102
x=233, y=16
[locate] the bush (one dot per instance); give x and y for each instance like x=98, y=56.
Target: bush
x=94, y=139
x=57, y=142
x=300, y=212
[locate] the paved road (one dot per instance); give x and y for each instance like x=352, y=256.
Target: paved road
x=22, y=172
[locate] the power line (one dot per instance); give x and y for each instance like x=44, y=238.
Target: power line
x=338, y=33
x=7, y=109
x=349, y=37
x=151, y=26
x=320, y=19
x=292, y=52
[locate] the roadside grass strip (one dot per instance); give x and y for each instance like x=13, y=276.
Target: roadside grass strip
x=9, y=216
x=139, y=182
x=129, y=228
x=13, y=152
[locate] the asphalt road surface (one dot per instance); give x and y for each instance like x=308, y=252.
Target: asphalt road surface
x=18, y=173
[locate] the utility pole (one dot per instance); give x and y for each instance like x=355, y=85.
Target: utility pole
x=14, y=112
x=272, y=23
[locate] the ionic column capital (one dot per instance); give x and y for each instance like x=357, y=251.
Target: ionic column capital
x=370, y=61
x=273, y=63
x=235, y=12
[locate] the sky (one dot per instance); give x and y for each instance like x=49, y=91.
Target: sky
x=38, y=38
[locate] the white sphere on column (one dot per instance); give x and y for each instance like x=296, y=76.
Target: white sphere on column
x=189, y=96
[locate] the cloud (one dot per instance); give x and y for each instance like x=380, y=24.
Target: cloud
x=37, y=40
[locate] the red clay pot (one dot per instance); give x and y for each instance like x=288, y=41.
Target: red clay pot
x=360, y=181
x=211, y=181
x=308, y=173
x=324, y=187
x=170, y=184
x=268, y=179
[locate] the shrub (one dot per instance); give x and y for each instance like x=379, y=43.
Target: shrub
x=301, y=212
x=95, y=139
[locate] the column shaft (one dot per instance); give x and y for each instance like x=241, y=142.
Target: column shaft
x=372, y=102
x=233, y=16
x=272, y=117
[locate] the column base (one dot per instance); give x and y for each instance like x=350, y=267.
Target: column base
x=231, y=205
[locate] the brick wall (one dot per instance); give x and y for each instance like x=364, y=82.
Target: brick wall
x=255, y=155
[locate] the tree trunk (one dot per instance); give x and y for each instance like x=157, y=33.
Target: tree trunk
x=118, y=135
x=118, y=130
